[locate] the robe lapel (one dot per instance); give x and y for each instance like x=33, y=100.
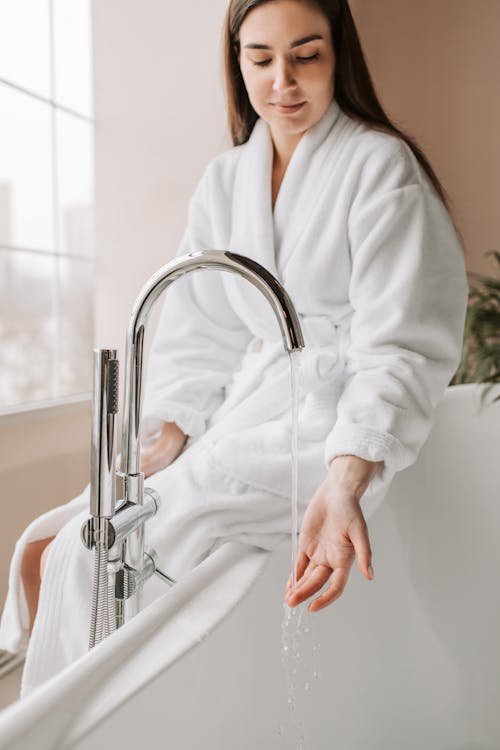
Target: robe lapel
x=252, y=220
x=252, y=230
x=303, y=183
x=270, y=238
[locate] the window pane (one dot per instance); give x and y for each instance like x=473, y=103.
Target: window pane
x=27, y=327
x=76, y=326
x=72, y=53
x=26, y=201
x=76, y=185
x=25, y=44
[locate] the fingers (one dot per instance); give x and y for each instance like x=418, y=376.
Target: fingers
x=302, y=564
x=309, y=584
x=358, y=533
x=154, y=461
x=314, y=582
x=300, y=568
x=338, y=580
x=164, y=451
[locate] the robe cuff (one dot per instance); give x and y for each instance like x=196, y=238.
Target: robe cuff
x=190, y=421
x=367, y=443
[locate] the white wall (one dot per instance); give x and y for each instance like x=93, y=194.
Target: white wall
x=160, y=113
x=160, y=117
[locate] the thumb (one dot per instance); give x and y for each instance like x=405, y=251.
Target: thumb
x=358, y=532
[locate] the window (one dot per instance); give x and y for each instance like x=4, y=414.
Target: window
x=47, y=257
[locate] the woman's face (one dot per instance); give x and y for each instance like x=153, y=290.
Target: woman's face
x=279, y=66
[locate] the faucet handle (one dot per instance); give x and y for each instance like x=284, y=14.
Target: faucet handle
x=151, y=553
x=128, y=580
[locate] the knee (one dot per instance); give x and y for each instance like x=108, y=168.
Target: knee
x=43, y=557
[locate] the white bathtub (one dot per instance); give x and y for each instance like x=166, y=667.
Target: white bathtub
x=410, y=661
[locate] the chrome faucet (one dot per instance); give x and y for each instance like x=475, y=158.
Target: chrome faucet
x=119, y=503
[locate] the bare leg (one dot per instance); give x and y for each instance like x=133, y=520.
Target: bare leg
x=31, y=571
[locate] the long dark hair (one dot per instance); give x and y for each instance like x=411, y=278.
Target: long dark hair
x=354, y=89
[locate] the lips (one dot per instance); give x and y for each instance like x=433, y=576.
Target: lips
x=289, y=108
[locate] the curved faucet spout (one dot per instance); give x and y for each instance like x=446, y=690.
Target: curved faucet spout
x=220, y=260
x=117, y=531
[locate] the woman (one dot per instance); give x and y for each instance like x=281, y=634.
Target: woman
x=327, y=194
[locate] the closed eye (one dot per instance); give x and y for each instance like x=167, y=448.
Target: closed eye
x=299, y=59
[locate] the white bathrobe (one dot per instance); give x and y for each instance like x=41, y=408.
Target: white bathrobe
x=372, y=263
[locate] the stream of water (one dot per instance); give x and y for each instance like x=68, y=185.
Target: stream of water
x=294, y=369
x=297, y=659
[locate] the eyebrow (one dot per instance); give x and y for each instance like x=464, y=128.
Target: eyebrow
x=297, y=43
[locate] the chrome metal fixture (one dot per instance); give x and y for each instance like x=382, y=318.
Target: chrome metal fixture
x=119, y=503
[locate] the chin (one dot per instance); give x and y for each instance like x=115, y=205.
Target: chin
x=293, y=130
x=298, y=125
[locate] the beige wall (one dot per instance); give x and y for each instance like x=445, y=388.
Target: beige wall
x=45, y=462
x=436, y=66
x=160, y=118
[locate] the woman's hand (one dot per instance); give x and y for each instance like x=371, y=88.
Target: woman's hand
x=333, y=532
x=165, y=450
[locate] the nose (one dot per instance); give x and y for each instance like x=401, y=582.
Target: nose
x=283, y=76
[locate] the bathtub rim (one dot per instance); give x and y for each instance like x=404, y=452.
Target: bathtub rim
x=232, y=567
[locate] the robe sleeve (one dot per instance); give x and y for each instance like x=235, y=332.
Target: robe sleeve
x=408, y=290
x=199, y=339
